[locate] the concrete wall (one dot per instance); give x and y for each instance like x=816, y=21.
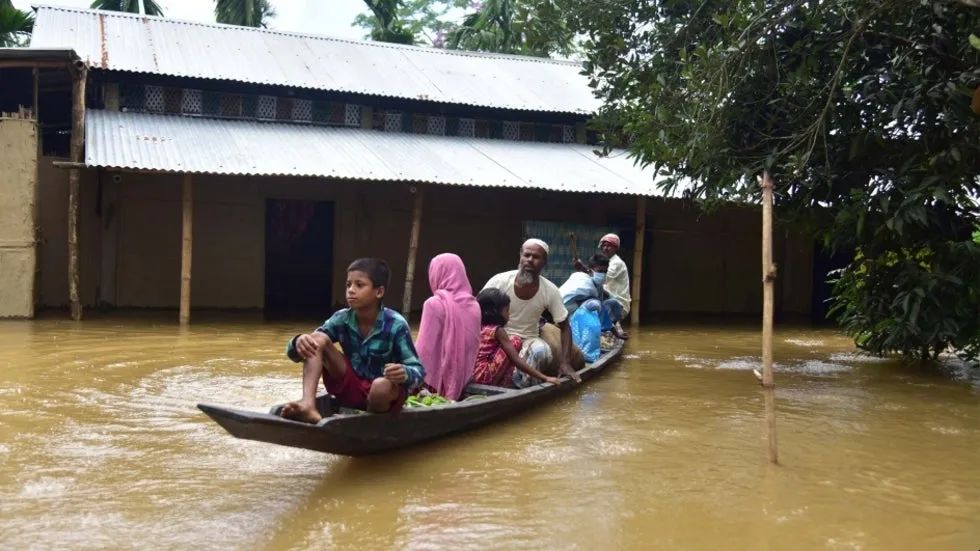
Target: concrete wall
x=18, y=216
x=130, y=239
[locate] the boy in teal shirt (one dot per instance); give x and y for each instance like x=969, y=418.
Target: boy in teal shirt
x=379, y=365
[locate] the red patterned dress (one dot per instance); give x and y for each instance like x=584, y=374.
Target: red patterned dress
x=493, y=367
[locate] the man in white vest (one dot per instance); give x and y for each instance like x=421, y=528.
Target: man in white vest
x=531, y=294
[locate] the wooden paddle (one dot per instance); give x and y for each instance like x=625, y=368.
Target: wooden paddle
x=576, y=261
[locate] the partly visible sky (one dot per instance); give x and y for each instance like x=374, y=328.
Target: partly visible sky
x=325, y=17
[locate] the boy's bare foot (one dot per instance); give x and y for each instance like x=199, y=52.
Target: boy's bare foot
x=301, y=411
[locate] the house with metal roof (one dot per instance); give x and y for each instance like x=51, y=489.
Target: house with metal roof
x=217, y=166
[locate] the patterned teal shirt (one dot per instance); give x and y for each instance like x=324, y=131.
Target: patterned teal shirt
x=390, y=341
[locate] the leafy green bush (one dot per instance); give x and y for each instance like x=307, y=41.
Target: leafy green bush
x=918, y=303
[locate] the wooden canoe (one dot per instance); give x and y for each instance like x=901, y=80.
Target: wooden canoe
x=365, y=433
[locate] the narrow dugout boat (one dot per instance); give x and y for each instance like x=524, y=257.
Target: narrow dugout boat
x=351, y=432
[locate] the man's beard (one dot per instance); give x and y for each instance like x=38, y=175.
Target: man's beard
x=525, y=277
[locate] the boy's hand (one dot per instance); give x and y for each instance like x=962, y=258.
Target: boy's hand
x=309, y=344
x=552, y=380
x=395, y=373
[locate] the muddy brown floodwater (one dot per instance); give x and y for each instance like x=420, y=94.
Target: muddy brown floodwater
x=101, y=447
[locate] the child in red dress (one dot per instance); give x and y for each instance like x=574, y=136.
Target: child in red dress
x=499, y=354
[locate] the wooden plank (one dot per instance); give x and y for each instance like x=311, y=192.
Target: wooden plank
x=67, y=164
x=768, y=277
x=641, y=229
x=186, y=252
x=413, y=246
x=77, y=143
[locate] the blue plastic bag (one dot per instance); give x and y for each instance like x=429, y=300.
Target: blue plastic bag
x=587, y=329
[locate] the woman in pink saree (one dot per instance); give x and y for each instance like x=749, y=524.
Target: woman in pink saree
x=450, y=330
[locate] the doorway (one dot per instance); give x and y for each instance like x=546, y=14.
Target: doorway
x=298, y=258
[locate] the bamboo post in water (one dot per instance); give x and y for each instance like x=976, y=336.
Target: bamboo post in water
x=187, y=246
x=641, y=230
x=413, y=246
x=80, y=75
x=768, y=282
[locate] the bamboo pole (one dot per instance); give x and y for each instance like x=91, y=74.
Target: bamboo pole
x=186, y=253
x=413, y=245
x=80, y=75
x=768, y=278
x=641, y=230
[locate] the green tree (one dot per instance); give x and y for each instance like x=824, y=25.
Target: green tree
x=860, y=109
x=15, y=25
x=425, y=19
x=527, y=27
x=387, y=27
x=245, y=13
x=131, y=6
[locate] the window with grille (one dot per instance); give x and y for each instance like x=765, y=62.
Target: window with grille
x=437, y=125
x=393, y=122
x=302, y=110
x=154, y=99
x=191, y=102
x=467, y=128
x=352, y=115
x=267, y=107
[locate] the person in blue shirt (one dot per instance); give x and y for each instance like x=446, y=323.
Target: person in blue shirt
x=378, y=365
x=584, y=285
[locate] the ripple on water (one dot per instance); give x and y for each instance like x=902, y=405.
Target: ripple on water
x=747, y=363
x=947, y=431
x=856, y=357
x=819, y=367
x=806, y=343
x=690, y=361
x=46, y=487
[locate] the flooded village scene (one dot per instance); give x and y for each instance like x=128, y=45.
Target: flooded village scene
x=510, y=274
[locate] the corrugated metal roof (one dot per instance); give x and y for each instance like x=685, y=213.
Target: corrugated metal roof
x=142, y=141
x=142, y=44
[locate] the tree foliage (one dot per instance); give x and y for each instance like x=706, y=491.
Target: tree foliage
x=865, y=112
x=245, y=13
x=15, y=25
x=527, y=27
x=424, y=19
x=386, y=24
x=131, y=6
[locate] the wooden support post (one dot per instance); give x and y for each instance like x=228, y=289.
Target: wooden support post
x=768, y=279
x=413, y=246
x=641, y=229
x=80, y=75
x=186, y=250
